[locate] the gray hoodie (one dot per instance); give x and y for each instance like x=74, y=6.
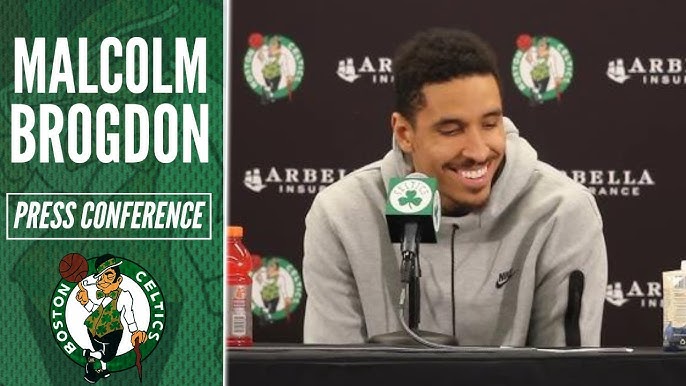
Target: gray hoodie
x=512, y=259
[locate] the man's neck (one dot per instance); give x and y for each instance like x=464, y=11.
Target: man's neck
x=456, y=211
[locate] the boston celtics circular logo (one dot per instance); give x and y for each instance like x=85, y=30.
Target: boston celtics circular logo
x=106, y=314
x=410, y=196
x=542, y=68
x=276, y=290
x=273, y=66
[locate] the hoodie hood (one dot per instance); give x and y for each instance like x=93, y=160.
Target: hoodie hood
x=520, y=162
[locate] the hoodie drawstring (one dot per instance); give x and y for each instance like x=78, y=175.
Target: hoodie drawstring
x=452, y=272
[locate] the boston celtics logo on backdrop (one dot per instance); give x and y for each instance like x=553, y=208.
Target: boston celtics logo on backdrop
x=106, y=314
x=542, y=68
x=276, y=290
x=273, y=66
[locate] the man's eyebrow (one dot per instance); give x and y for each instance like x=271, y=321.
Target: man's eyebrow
x=497, y=112
x=448, y=121
x=494, y=113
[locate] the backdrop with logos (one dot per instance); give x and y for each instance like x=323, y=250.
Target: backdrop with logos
x=311, y=97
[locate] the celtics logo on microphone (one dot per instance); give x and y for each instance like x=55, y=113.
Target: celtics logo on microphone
x=106, y=314
x=414, y=198
x=410, y=196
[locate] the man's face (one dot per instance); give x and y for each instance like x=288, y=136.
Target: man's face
x=107, y=283
x=457, y=137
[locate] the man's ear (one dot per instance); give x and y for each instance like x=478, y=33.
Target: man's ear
x=119, y=280
x=403, y=132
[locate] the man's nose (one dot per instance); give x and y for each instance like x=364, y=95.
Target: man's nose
x=475, y=145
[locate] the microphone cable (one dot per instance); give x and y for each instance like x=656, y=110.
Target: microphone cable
x=427, y=343
x=494, y=349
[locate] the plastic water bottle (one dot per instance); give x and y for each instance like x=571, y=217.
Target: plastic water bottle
x=674, y=309
x=239, y=263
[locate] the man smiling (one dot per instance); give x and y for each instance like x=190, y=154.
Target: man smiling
x=458, y=137
x=513, y=228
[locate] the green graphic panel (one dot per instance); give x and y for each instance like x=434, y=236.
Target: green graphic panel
x=186, y=263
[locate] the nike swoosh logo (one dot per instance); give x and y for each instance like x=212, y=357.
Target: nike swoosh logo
x=503, y=278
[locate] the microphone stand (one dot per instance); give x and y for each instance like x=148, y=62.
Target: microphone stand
x=410, y=272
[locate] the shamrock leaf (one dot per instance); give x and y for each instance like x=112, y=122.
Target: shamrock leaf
x=410, y=199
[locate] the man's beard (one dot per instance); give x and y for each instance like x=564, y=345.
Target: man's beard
x=460, y=209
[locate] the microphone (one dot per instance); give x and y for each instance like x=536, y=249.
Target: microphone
x=576, y=290
x=413, y=210
x=413, y=215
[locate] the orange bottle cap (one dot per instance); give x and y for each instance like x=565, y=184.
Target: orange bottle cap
x=235, y=231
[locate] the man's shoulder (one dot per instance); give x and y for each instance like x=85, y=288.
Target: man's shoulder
x=355, y=198
x=555, y=181
x=553, y=185
x=355, y=186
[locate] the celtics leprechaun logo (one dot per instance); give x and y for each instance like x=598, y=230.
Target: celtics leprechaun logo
x=273, y=66
x=277, y=288
x=109, y=320
x=542, y=68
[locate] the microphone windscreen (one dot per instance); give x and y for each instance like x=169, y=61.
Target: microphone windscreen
x=413, y=199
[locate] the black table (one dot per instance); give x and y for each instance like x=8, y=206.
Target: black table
x=381, y=366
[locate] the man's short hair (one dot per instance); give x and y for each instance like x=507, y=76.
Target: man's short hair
x=434, y=56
